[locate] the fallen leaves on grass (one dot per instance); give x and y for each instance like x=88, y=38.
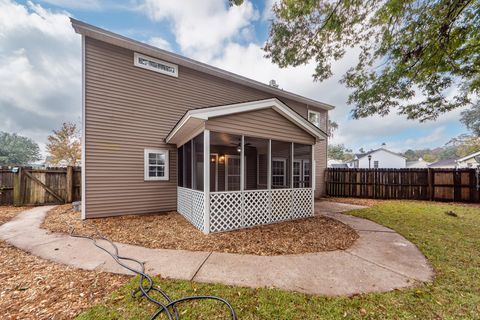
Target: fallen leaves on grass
x=172, y=231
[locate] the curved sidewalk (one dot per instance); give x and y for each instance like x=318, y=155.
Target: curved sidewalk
x=380, y=260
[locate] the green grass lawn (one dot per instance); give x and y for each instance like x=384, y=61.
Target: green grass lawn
x=451, y=244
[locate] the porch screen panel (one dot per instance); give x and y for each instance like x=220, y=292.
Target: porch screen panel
x=187, y=164
x=227, y=171
x=256, y=163
x=302, y=165
x=281, y=164
x=180, y=166
x=198, y=162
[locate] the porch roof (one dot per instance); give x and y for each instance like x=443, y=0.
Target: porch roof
x=193, y=122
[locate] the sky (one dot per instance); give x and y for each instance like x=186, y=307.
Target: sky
x=40, y=64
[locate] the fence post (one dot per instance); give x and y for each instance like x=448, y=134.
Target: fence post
x=17, y=188
x=69, y=185
x=431, y=187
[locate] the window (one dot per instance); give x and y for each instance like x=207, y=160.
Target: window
x=314, y=117
x=156, y=164
x=156, y=65
x=375, y=164
x=278, y=173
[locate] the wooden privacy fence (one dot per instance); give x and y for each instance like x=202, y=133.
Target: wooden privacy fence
x=416, y=184
x=27, y=186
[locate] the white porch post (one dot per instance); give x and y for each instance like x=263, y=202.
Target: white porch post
x=312, y=179
x=269, y=165
x=242, y=164
x=291, y=165
x=206, y=181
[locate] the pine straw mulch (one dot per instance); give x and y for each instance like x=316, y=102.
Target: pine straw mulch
x=33, y=288
x=8, y=212
x=172, y=231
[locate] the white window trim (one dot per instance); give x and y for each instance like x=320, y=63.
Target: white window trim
x=319, y=117
x=146, y=164
x=137, y=55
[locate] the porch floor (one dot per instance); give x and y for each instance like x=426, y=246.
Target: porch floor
x=173, y=231
x=380, y=260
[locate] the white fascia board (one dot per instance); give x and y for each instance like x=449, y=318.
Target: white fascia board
x=122, y=41
x=469, y=156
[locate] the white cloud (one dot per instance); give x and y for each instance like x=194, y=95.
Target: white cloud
x=75, y=4
x=40, y=70
x=202, y=28
x=267, y=13
x=161, y=43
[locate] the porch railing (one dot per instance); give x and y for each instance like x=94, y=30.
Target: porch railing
x=232, y=210
x=190, y=204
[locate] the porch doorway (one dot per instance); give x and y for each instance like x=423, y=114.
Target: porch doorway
x=232, y=172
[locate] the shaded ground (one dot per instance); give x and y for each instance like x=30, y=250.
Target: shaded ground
x=450, y=243
x=172, y=231
x=32, y=288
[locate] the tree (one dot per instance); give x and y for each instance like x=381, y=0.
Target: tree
x=332, y=127
x=64, y=145
x=339, y=152
x=17, y=150
x=410, y=155
x=408, y=49
x=471, y=119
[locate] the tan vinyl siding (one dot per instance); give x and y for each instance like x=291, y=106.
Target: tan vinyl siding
x=265, y=123
x=128, y=109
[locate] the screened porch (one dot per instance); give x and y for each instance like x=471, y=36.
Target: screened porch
x=228, y=181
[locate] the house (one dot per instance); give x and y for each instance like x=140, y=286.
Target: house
x=162, y=132
x=445, y=163
x=420, y=163
x=469, y=161
x=334, y=163
x=378, y=158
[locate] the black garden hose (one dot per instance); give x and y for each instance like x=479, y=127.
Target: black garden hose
x=169, y=307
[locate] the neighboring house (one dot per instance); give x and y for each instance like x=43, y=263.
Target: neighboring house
x=333, y=163
x=469, y=161
x=445, y=163
x=379, y=158
x=163, y=132
x=420, y=163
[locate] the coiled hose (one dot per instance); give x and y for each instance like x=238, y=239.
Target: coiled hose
x=144, y=289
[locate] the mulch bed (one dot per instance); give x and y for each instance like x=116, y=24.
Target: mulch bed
x=8, y=212
x=172, y=231
x=33, y=288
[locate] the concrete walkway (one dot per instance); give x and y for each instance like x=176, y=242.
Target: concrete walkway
x=380, y=260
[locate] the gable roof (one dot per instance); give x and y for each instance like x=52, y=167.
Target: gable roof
x=469, y=156
x=196, y=117
x=444, y=162
x=361, y=155
x=121, y=41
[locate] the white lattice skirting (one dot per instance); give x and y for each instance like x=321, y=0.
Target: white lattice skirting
x=240, y=209
x=190, y=204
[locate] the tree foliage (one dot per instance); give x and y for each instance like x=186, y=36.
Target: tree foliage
x=471, y=119
x=17, y=150
x=414, y=55
x=332, y=127
x=339, y=152
x=64, y=145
